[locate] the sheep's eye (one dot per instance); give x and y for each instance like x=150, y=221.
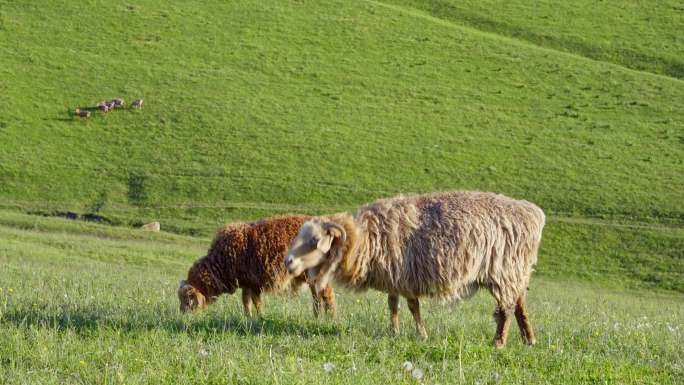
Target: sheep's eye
x=313, y=242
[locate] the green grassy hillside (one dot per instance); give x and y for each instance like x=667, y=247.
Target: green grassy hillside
x=642, y=35
x=290, y=106
x=89, y=304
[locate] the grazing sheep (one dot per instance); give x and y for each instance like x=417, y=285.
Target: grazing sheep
x=82, y=114
x=249, y=256
x=137, y=103
x=440, y=245
x=103, y=107
x=117, y=102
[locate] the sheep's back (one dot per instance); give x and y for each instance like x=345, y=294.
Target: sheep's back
x=252, y=254
x=447, y=244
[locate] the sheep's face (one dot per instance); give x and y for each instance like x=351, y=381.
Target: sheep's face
x=313, y=250
x=190, y=298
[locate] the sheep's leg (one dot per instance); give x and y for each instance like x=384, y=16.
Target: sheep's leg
x=256, y=299
x=316, y=300
x=503, y=322
x=524, y=322
x=328, y=299
x=393, y=302
x=414, y=306
x=247, y=302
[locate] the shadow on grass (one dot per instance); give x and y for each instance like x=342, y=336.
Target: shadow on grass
x=87, y=321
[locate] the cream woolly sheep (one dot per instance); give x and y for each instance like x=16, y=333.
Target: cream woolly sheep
x=439, y=245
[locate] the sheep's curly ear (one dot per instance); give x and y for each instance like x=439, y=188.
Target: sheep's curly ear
x=182, y=283
x=324, y=243
x=335, y=230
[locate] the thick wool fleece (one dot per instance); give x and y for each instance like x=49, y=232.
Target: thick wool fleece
x=248, y=255
x=443, y=244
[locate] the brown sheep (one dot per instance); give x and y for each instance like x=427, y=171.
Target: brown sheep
x=249, y=256
x=444, y=245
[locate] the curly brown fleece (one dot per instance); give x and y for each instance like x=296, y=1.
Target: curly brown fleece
x=248, y=256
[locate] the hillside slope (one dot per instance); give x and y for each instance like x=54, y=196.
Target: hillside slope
x=261, y=107
x=642, y=35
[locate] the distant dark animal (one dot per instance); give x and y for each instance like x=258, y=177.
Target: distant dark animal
x=82, y=114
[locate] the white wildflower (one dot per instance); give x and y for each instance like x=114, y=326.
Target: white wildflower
x=417, y=374
x=328, y=367
x=408, y=366
x=203, y=352
x=645, y=325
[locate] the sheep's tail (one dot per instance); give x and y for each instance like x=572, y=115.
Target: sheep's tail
x=540, y=223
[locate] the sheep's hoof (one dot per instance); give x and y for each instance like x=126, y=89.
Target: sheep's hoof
x=499, y=343
x=422, y=335
x=395, y=332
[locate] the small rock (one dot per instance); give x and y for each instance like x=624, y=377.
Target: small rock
x=152, y=226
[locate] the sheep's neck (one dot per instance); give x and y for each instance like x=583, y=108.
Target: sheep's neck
x=207, y=280
x=352, y=269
